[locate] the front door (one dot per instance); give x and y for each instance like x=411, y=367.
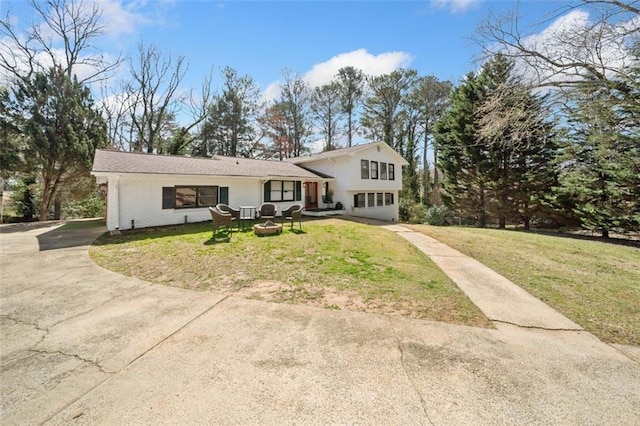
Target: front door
x=311, y=195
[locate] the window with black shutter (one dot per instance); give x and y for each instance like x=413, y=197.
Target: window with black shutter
x=168, y=197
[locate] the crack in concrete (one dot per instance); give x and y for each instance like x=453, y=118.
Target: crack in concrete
x=36, y=326
x=535, y=327
x=19, y=321
x=177, y=330
x=76, y=356
x=112, y=374
x=37, y=286
x=423, y=402
x=79, y=314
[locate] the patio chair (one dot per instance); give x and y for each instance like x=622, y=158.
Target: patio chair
x=221, y=220
x=235, y=213
x=293, y=213
x=267, y=211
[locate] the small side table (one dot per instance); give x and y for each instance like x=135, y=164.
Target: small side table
x=247, y=213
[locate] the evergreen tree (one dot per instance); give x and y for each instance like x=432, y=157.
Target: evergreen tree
x=384, y=105
x=497, y=148
x=293, y=107
x=61, y=127
x=520, y=142
x=326, y=109
x=229, y=127
x=431, y=98
x=600, y=176
x=10, y=140
x=463, y=159
x=351, y=83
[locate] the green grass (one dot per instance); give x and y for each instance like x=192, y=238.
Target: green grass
x=83, y=223
x=594, y=283
x=332, y=263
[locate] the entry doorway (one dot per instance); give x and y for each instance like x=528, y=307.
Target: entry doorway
x=311, y=195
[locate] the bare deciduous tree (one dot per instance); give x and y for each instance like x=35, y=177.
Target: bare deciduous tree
x=154, y=101
x=573, y=50
x=62, y=39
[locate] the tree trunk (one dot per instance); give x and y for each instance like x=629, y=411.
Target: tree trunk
x=483, y=213
x=436, y=183
x=526, y=219
x=426, y=172
x=350, y=128
x=57, y=209
x=46, y=201
x=605, y=233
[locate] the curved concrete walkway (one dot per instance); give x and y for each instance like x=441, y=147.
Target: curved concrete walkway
x=82, y=345
x=498, y=298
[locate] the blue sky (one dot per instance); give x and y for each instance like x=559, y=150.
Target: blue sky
x=313, y=39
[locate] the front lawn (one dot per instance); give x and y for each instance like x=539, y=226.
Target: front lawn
x=333, y=263
x=594, y=283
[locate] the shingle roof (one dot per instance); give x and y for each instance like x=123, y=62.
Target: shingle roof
x=342, y=152
x=134, y=162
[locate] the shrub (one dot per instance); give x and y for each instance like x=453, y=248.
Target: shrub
x=92, y=206
x=411, y=211
x=438, y=216
x=24, y=199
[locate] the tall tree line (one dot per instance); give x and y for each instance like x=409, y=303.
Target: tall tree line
x=511, y=155
x=501, y=147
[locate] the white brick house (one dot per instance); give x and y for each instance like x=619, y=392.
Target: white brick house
x=152, y=190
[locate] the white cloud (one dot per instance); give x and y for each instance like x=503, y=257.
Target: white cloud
x=271, y=92
x=383, y=63
x=120, y=19
x=368, y=63
x=455, y=6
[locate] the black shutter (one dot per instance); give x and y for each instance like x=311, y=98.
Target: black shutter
x=168, y=197
x=224, y=195
x=267, y=191
x=298, y=196
x=355, y=200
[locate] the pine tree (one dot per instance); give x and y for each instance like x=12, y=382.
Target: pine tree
x=61, y=127
x=229, y=126
x=462, y=158
x=513, y=124
x=600, y=175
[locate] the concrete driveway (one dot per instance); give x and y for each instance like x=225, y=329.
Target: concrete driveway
x=80, y=344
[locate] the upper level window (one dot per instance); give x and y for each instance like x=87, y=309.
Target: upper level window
x=364, y=169
x=392, y=172
x=374, y=170
x=383, y=171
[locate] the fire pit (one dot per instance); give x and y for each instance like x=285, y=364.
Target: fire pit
x=267, y=228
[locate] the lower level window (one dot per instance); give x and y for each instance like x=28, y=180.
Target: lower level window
x=195, y=196
x=388, y=198
x=359, y=200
